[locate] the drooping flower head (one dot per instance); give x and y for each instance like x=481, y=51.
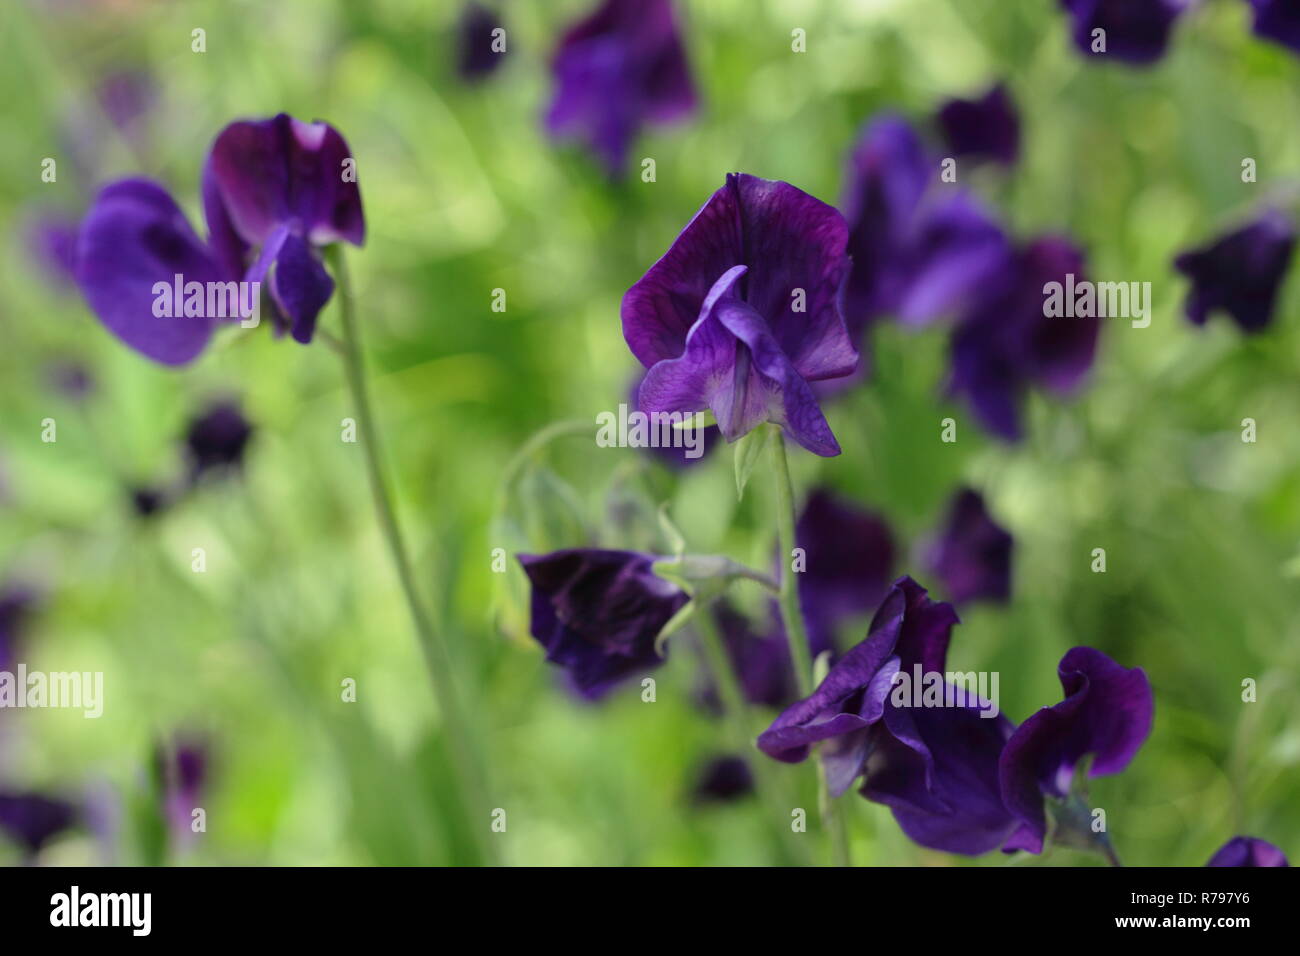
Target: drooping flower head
x=1136, y=31
x=32, y=819
x=1248, y=851
x=1008, y=342
x=620, y=67
x=743, y=312
x=723, y=779
x=1107, y=713
x=934, y=766
x=1240, y=273
x=597, y=613
x=476, y=59
x=274, y=191
x=848, y=558
x=972, y=554
x=1279, y=21
x=216, y=439
x=920, y=247
x=984, y=128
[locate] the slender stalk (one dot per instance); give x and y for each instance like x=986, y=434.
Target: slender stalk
x=437, y=660
x=797, y=636
x=736, y=714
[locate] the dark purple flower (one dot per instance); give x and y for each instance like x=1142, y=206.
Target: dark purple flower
x=759, y=657
x=273, y=191
x=743, y=312
x=936, y=765
x=475, y=57
x=1136, y=31
x=1107, y=713
x=127, y=96
x=1241, y=273
x=52, y=242
x=597, y=613
x=182, y=768
x=1007, y=342
x=920, y=247
x=848, y=558
x=621, y=66
x=32, y=820
x=972, y=555
x=1248, y=851
x=16, y=605
x=216, y=439
x=148, y=501
x=1278, y=20
x=723, y=779
x=986, y=128
x=283, y=187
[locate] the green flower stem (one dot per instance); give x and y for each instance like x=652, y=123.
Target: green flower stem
x=796, y=635
x=465, y=758
x=737, y=716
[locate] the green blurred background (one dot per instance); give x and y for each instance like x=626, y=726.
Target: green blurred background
x=463, y=195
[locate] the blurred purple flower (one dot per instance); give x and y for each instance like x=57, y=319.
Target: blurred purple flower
x=1136, y=31
x=1006, y=342
x=72, y=379
x=621, y=66
x=475, y=57
x=148, y=501
x=52, y=243
x=1278, y=20
x=273, y=187
x=31, y=819
x=743, y=312
x=849, y=555
x=16, y=606
x=759, y=657
x=934, y=766
x=723, y=779
x=1240, y=273
x=216, y=439
x=972, y=555
x=1107, y=712
x=1248, y=851
x=919, y=247
x=986, y=128
x=182, y=767
x=127, y=96
x=597, y=613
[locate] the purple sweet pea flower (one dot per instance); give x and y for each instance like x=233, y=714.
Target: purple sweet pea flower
x=127, y=96
x=1248, y=851
x=1136, y=31
x=597, y=613
x=31, y=819
x=722, y=780
x=1007, y=342
x=972, y=555
x=1241, y=273
x=475, y=58
x=272, y=187
x=849, y=556
x=759, y=657
x=934, y=766
x=920, y=247
x=1107, y=712
x=621, y=66
x=986, y=128
x=215, y=440
x=743, y=312
x=1279, y=21
x=148, y=501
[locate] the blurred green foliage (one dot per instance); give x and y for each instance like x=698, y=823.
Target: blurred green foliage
x=463, y=195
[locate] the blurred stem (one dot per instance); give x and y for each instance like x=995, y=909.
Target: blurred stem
x=735, y=712
x=465, y=759
x=796, y=635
